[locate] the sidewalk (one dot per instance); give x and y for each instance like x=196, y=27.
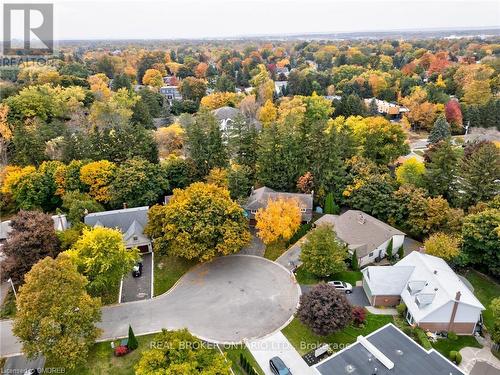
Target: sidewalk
x=470, y=356
x=277, y=345
x=378, y=311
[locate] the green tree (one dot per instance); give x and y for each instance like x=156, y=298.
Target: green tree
x=138, y=182
x=77, y=205
x=354, y=261
x=441, y=170
x=199, y=222
x=440, y=131
x=55, y=315
x=132, y=343
x=180, y=353
x=442, y=245
x=242, y=142
x=480, y=174
x=389, y=250
x=401, y=252
x=100, y=254
x=180, y=173
x=481, y=240
x=412, y=172
x=240, y=178
x=495, y=310
x=193, y=89
x=322, y=254
x=330, y=206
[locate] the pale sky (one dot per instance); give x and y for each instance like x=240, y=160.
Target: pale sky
x=154, y=19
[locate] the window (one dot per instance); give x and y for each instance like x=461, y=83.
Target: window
x=136, y=238
x=371, y=254
x=253, y=211
x=303, y=210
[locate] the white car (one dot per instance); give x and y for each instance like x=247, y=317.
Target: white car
x=341, y=285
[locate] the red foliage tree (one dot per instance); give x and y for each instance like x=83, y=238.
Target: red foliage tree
x=305, y=183
x=358, y=315
x=453, y=114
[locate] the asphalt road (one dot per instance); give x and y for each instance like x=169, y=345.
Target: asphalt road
x=138, y=288
x=227, y=300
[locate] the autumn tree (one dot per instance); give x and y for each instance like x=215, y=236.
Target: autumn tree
x=170, y=140
x=454, y=115
x=267, y=113
x=440, y=131
x=179, y=352
x=442, y=245
x=305, y=183
x=220, y=99
x=218, y=177
x=199, y=222
x=279, y=220
x=98, y=176
x=137, y=182
x=324, y=309
x=322, y=254
x=422, y=113
x=55, y=315
x=412, y=172
x=100, y=254
x=32, y=238
x=78, y=204
x=495, y=309
x=5, y=133
x=153, y=78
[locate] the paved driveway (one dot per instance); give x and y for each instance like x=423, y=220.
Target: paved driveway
x=356, y=298
x=138, y=288
x=19, y=364
x=256, y=246
x=226, y=301
x=278, y=345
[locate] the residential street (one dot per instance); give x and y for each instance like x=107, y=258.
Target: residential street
x=226, y=300
x=278, y=345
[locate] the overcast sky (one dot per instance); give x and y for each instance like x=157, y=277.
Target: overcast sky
x=110, y=19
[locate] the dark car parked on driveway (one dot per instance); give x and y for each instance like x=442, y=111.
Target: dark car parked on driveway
x=137, y=270
x=278, y=367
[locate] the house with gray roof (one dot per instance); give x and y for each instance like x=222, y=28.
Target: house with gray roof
x=386, y=351
x=260, y=197
x=436, y=298
x=364, y=234
x=130, y=221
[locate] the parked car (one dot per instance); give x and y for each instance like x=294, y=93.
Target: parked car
x=137, y=270
x=278, y=367
x=342, y=286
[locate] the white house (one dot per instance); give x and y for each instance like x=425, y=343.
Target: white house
x=436, y=298
x=363, y=233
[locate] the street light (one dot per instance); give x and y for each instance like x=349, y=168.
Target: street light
x=13, y=288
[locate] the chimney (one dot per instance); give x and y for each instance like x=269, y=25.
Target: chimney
x=457, y=296
x=361, y=219
x=435, y=272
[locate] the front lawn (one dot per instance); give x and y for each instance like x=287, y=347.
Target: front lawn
x=306, y=278
x=167, y=270
x=485, y=289
x=304, y=340
x=101, y=360
x=445, y=346
x=274, y=250
x=233, y=354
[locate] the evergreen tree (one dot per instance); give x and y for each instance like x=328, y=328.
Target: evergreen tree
x=132, y=343
x=440, y=131
x=354, y=261
x=242, y=142
x=373, y=108
x=121, y=81
x=141, y=115
x=479, y=173
x=401, y=252
x=388, y=251
x=441, y=170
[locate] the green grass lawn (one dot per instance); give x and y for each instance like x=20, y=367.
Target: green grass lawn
x=233, y=353
x=169, y=269
x=445, y=346
x=274, y=250
x=101, y=360
x=306, y=278
x=8, y=308
x=304, y=340
x=485, y=290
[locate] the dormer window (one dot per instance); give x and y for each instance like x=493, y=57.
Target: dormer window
x=136, y=238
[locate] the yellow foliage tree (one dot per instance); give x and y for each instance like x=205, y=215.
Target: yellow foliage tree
x=99, y=85
x=268, y=113
x=153, y=78
x=278, y=221
x=219, y=177
x=411, y=172
x=221, y=99
x=442, y=245
x=5, y=132
x=170, y=140
x=12, y=174
x=98, y=175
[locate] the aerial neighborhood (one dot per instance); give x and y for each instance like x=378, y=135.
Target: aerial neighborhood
x=308, y=204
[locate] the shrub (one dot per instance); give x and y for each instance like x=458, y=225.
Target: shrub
x=132, y=343
x=401, y=308
x=423, y=339
x=354, y=261
x=452, y=336
x=358, y=315
x=455, y=357
x=121, y=350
